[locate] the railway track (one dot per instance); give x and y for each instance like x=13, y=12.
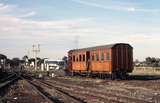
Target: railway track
x=8, y=80
x=91, y=93
x=38, y=90
x=5, y=83
x=54, y=94
x=59, y=91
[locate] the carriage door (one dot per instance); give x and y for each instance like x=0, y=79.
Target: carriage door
x=88, y=60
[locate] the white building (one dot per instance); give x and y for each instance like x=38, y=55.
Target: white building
x=52, y=65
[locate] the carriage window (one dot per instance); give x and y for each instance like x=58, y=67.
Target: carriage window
x=92, y=57
x=74, y=59
x=97, y=57
x=80, y=58
x=83, y=57
x=77, y=59
x=102, y=56
x=108, y=56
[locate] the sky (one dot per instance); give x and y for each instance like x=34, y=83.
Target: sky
x=61, y=25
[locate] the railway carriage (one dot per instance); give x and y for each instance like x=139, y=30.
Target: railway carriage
x=114, y=59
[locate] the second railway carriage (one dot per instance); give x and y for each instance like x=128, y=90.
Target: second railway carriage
x=115, y=59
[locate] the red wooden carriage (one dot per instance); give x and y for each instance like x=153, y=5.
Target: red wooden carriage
x=115, y=59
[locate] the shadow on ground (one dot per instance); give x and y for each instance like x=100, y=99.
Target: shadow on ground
x=144, y=77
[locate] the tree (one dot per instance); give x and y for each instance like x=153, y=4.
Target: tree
x=39, y=61
x=15, y=61
x=31, y=60
x=3, y=56
x=25, y=58
x=152, y=61
x=148, y=60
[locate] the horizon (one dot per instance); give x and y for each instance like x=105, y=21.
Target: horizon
x=59, y=26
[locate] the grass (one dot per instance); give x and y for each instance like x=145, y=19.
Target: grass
x=146, y=70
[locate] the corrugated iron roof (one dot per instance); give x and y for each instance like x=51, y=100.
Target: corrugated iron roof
x=96, y=47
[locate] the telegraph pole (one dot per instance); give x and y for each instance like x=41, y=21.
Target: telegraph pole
x=36, y=50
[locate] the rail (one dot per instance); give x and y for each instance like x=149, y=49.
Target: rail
x=61, y=96
x=8, y=80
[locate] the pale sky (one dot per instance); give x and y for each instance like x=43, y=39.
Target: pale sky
x=58, y=24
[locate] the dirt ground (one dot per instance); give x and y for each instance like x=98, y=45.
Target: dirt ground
x=139, y=89
x=23, y=92
x=65, y=89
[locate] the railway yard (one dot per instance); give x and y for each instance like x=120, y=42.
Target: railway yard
x=79, y=51
x=26, y=89
x=101, y=74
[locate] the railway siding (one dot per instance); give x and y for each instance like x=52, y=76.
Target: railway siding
x=121, y=90
x=54, y=94
x=83, y=90
x=23, y=92
x=97, y=94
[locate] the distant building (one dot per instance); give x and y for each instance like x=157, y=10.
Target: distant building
x=32, y=62
x=51, y=65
